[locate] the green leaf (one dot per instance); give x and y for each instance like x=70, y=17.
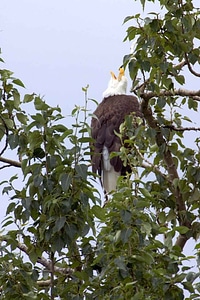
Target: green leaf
x=33, y=255
x=16, y=97
x=133, y=68
x=40, y=120
x=146, y=193
x=75, y=110
x=180, y=79
x=180, y=142
x=128, y=18
x=66, y=180
x=162, y=217
x=169, y=236
x=191, y=276
x=40, y=104
x=126, y=216
x=7, y=219
x=179, y=277
x=22, y=118
x=147, y=20
x=13, y=141
x=144, y=257
x=138, y=296
x=35, y=275
x=182, y=229
x=84, y=89
x=82, y=170
x=61, y=128
x=84, y=140
x=53, y=161
x=161, y=102
x=18, y=82
x=99, y=212
x=192, y=104
x=188, y=286
x=186, y=118
x=28, y=98
x=125, y=235
x=35, y=139
x=39, y=153
x=59, y=224
x=146, y=66
x=24, y=164
x=9, y=123
x=10, y=208
x=38, y=180
x=119, y=262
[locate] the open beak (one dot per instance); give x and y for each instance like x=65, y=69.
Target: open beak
x=121, y=73
x=113, y=75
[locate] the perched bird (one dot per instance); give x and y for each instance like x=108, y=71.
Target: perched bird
x=106, y=120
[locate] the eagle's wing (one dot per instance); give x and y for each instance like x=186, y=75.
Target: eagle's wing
x=110, y=114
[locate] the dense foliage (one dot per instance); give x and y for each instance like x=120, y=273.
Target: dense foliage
x=57, y=241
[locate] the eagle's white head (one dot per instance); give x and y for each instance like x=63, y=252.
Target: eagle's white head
x=116, y=85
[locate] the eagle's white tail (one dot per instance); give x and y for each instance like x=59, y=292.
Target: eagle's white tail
x=110, y=176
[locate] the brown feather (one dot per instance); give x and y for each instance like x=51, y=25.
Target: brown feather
x=110, y=114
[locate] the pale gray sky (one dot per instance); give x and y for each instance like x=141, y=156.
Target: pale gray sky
x=57, y=47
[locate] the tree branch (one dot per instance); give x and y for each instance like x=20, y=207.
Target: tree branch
x=190, y=67
x=6, y=131
x=181, y=240
x=5, y=166
x=180, y=65
x=172, y=171
x=45, y=283
x=150, y=165
x=10, y=162
x=47, y=263
x=176, y=92
x=172, y=127
x=142, y=86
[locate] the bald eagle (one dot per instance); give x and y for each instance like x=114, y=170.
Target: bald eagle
x=108, y=117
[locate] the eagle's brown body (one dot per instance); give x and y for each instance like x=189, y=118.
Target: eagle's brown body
x=110, y=114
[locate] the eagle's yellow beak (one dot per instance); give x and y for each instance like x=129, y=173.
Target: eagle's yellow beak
x=121, y=73
x=113, y=75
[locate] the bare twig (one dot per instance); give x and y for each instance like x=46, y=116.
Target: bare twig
x=180, y=65
x=190, y=67
x=44, y=283
x=172, y=127
x=5, y=166
x=52, y=275
x=150, y=165
x=197, y=98
x=6, y=141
